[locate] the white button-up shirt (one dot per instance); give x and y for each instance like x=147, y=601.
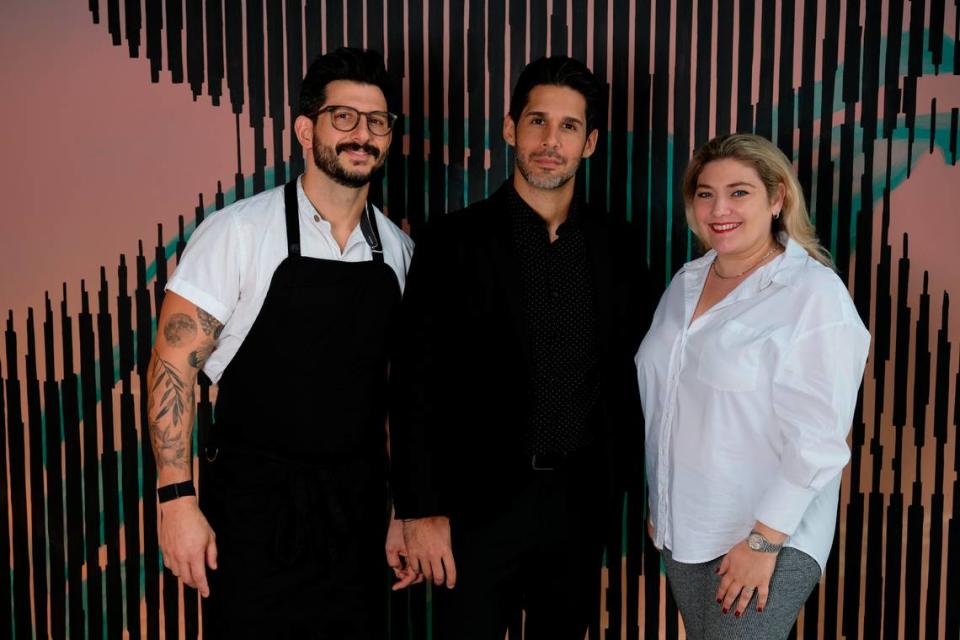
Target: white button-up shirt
x=748, y=407
x=228, y=264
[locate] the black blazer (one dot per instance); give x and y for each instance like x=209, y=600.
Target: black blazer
x=459, y=375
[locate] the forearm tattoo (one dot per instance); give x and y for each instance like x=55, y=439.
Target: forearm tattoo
x=170, y=410
x=209, y=324
x=179, y=330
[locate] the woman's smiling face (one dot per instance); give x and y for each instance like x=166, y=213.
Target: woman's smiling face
x=731, y=208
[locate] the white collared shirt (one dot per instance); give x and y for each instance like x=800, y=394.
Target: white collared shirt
x=748, y=408
x=229, y=261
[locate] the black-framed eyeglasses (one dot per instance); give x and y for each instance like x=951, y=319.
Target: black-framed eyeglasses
x=343, y=118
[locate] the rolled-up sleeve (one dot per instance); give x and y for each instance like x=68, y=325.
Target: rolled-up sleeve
x=814, y=397
x=211, y=269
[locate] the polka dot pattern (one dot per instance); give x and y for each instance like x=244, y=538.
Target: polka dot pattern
x=560, y=317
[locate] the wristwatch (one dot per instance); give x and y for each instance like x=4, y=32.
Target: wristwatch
x=758, y=542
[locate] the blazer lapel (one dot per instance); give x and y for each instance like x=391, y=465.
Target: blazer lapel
x=505, y=269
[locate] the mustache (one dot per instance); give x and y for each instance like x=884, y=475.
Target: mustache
x=354, y=146
x=547, y=153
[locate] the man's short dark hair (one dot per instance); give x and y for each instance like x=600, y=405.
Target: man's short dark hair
x=559, y=71
x=346, y=63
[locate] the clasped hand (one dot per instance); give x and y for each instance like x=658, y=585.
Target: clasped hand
x=420, y=549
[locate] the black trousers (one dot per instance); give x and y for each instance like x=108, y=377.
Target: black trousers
x=540, y=555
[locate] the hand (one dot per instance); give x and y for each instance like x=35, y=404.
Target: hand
x=429, y=551
x=744, y=570
x=396, y=550
x=187, y=542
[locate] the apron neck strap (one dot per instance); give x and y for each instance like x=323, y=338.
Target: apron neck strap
x=368, y=224
x=292, y=217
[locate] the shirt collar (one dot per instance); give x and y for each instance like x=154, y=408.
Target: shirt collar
x=313, y=218
x=523, y=213
x=783, y=269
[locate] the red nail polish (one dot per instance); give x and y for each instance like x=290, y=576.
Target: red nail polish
x=724, y=611
x=736, y=614
x=760, y=610
x=719, y=601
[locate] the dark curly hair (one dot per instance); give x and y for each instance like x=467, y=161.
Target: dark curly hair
x=345, y=63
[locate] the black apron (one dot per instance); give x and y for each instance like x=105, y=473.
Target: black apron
x=294, y=475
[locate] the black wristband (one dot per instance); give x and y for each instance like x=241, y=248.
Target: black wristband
x=170, y=492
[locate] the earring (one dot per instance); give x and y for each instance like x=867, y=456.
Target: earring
x=776, y=216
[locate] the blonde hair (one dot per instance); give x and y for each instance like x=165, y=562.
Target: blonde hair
x=774, y=170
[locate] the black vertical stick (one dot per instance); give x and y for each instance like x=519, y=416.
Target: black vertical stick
x=6, y=617
x=54, y=505
x=786, y=113
x=18, y=481
x=154, y=10
x=415, y=177
x=38, y=511
x=74, y=477
x=745, y=68
x=295, y=71
x=476, y=180
x=174, y=40
x=435, y=103
x=109, y=465
x=456, y=101
x=255, y=87
x=681, y=135
x=130, y=453
x=641, y=130
x=659, y=270
x=151, y=545
x=941, y=390
x=215, y=68
x=195, y=58
x=768, y=26
x=277, y=88
x=596, y=190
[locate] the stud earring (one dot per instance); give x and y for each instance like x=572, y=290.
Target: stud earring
x=776, y=216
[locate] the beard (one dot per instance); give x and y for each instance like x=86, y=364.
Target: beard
x=327, y=160
x=553, y=181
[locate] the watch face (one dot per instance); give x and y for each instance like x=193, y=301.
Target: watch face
x=754, y=542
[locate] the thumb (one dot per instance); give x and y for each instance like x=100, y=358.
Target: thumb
x=724, y=565
x=393, y=557
x=212, y=553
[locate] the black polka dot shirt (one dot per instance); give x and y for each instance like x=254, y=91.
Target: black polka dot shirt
x=560, y=317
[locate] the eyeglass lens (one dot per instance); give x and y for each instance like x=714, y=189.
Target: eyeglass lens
x=347, y=118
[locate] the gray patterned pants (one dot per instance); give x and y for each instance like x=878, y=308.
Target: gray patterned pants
x=695, y=587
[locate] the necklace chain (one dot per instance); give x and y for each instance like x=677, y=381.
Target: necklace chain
x=745, y=271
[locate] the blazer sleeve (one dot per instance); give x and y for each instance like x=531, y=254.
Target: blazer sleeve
x=636, y=301
x=415, y=387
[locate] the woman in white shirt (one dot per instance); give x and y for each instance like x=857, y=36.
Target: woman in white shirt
x=749, y=377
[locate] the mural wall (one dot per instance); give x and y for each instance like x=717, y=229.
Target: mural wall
x=124, y=124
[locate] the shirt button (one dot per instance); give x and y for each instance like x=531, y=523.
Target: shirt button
x=316, y=218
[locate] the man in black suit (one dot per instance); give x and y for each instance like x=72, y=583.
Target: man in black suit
x=516, y=416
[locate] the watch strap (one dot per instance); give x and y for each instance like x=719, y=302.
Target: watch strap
x=170, y=492
x=764, y=545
